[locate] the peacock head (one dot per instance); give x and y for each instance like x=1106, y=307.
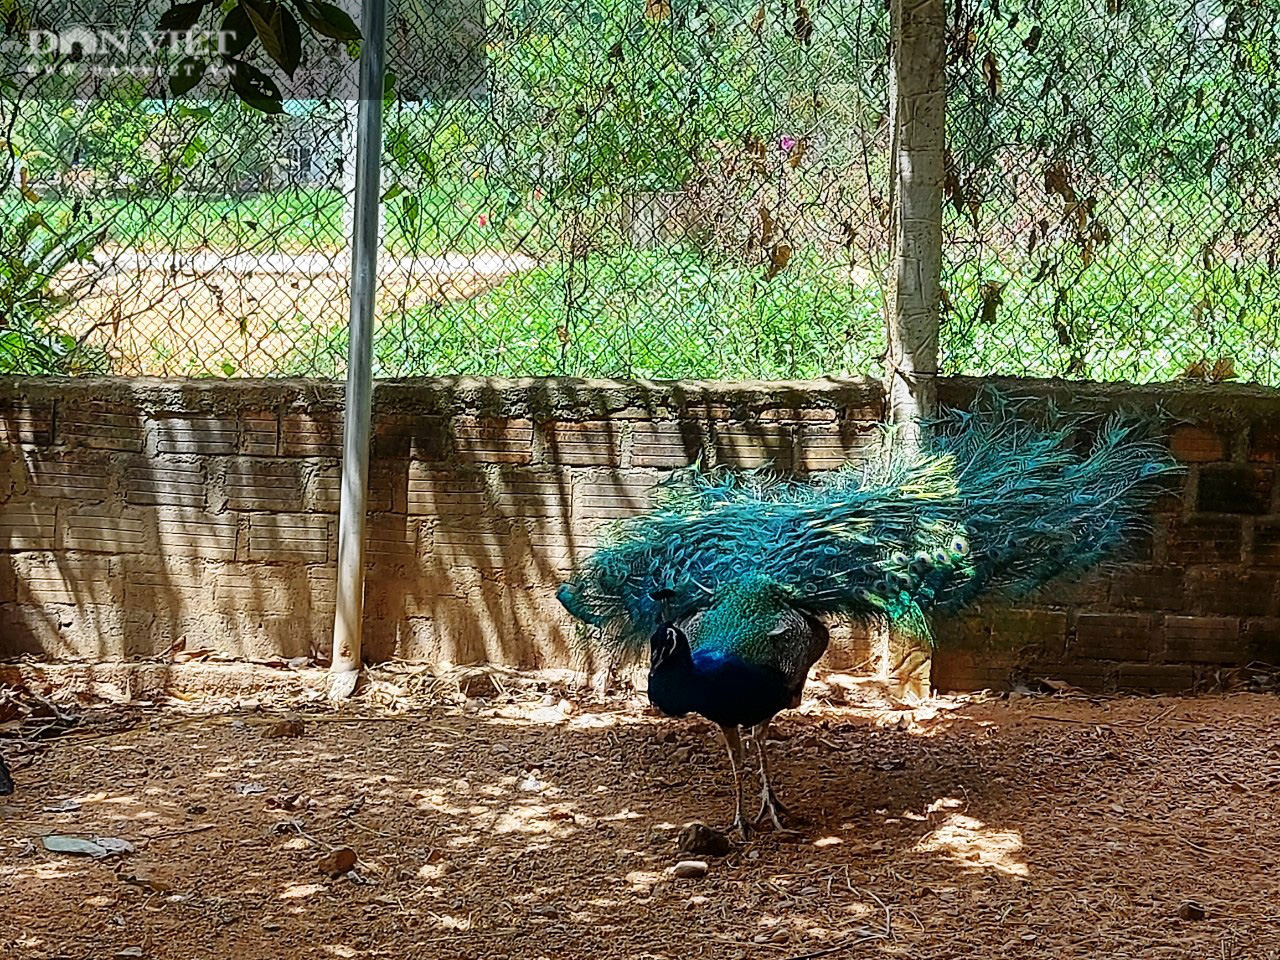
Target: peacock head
x=668, y=646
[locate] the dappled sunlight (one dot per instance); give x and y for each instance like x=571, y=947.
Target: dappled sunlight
x=447, y=922
x=533, y=818
x=971, y=843
x=521, y=805
x=474, y=832
x=299, y=891
x=643, y=881
x=51, y=870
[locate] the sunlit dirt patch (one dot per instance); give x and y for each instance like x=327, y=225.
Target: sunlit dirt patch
x=542, y=825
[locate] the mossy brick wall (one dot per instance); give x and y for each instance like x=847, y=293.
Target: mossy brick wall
x=141, y=517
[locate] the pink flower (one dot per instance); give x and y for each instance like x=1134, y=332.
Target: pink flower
x=786, y=143
x=483, y=219
x=537, y=193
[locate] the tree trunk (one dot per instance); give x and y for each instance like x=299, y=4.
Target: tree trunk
x=917, y=96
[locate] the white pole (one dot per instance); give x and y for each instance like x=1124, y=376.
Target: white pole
x=349, y=616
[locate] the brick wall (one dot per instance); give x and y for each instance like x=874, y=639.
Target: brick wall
x=1195, y=600
x=138, y=517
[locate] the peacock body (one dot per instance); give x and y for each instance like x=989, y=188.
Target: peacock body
x=725, y=582
x=738, y=662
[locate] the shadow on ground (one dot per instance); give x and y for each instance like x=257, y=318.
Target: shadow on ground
x=544, y=829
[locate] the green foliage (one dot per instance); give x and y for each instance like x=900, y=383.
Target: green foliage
x=33, y=251
x=657, y=313
x=592, y=101
x=1156, y=91
x=271, y=25
x=127, y=147
x=453, y=217
x=1113, y=189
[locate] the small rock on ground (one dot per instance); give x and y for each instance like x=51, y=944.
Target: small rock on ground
x=284, y=729
x=337, y=862
x=690, y=869
x=1191, y=910
x=700, y=840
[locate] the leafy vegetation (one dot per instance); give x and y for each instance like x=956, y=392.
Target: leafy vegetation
x=33, y=250
x=1113, y=186
x=653, y=313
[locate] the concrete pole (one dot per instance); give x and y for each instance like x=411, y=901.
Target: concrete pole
x=917, y=107
x=918, y=48
x=353, y=507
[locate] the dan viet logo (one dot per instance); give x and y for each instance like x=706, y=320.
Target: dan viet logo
x=112, y=51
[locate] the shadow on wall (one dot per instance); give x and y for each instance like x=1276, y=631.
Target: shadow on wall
x=124, y=533
x=162, y=519
x=511, y=490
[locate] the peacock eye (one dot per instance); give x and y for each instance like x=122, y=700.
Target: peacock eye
x=941, y=558
x=900, y=559
x=881, y=588
x=960, y=546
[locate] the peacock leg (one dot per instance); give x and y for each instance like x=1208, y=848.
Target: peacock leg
x=769, y=802
x=733, y=744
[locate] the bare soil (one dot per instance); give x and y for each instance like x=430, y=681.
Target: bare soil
x=539, y=822
x=187, y=315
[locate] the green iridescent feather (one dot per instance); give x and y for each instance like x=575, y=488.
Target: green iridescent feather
x=995, y=502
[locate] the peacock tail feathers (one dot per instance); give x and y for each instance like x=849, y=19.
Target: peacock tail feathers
x=993, y=503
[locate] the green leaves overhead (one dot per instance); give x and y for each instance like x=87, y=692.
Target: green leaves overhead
x=256, y=89
x=276, y=26
x=190, y=72
x=183, y=16
x=329, y=20
x=279, y=32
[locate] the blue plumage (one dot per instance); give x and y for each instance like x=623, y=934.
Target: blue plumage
x=725, y=580
x=992, y=505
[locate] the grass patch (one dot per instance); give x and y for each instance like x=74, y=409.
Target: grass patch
x=456, y=217
x=652, y=313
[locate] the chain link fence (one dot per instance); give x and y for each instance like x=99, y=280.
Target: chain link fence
x=668, y=188
x=1114, y=190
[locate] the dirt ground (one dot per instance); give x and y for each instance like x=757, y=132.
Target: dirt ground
x=540, y=823
x=188, y=314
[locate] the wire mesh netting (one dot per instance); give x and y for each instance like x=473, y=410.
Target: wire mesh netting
x=637, y=191
x=663, y=188
x=1113, y=190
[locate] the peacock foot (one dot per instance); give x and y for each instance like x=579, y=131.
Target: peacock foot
x=784, y=821
x=741, y=827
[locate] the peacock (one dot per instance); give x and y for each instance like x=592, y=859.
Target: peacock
x=6, y=781
x=727, y=581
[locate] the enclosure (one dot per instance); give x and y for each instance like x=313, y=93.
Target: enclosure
x=615, y=241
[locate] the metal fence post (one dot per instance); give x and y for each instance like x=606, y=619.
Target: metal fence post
x=349, y=615
x=918, y=110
